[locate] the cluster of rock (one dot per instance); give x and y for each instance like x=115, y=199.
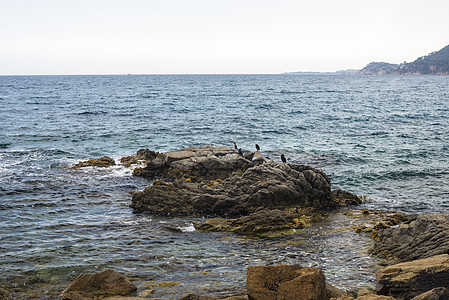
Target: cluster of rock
x=425, y=279
x=218, y=181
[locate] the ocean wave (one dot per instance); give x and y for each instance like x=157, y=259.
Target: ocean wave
x=87, y=113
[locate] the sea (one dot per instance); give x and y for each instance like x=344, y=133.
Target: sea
x=383, y=137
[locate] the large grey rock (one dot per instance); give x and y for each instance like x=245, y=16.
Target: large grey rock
x=268, y=185
x=409, y=279
x=423, y=236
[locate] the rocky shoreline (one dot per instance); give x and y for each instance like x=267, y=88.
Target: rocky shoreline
x=248, y=195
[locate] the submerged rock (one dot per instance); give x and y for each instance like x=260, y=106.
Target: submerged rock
x=423, y=236
x=102, y=162
x=105, y=283
x=409, y=279
x=262, y=222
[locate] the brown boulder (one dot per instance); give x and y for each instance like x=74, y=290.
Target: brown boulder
x=409, y=279
x=285, y=282
x=264, y=222
x=105, y=283
x=439, y=293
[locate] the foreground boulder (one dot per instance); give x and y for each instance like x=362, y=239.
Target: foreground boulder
x=423, y=236
x=440, y=293
x=267, y=185
x=285, y=282
x=409, y=279
x=105, y=283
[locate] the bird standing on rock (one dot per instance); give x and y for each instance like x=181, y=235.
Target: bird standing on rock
x=235, y=146
x=240, y=152
x=257, y=147
x=284, y=160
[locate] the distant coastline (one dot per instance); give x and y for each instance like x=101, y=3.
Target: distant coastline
x=341, y=72
x=435, y=63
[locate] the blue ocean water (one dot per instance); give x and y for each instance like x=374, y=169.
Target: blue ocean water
x=385, y=137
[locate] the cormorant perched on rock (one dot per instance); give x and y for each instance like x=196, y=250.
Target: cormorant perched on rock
x=240, y=152
x=235, y=146
x=257, y=147
x=284, y=160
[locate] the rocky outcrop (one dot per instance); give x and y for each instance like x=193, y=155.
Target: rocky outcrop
x=285, y=282
x=92, y=286
x=102, y=162
x=423, y=236
x=268, y=185
x=409, y=279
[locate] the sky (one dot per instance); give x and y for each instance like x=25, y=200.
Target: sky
x=50, y=37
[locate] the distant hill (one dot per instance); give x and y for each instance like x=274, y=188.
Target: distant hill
x=436, y=63
x=379, y=68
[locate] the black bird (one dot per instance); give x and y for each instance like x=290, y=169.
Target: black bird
x=235, y=146
x=284, y=160
x=257, y=147
x=240, y=152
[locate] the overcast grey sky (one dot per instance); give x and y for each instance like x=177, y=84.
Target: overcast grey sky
x=207, y=36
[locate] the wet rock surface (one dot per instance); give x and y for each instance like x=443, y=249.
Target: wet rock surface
x=285, y=282
x=92, y=286
x=410, y=279
x=422, y=236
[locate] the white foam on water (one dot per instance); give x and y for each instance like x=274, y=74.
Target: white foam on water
x=187, y=228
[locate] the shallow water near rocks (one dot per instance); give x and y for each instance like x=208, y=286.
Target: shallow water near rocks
x=384, y=137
